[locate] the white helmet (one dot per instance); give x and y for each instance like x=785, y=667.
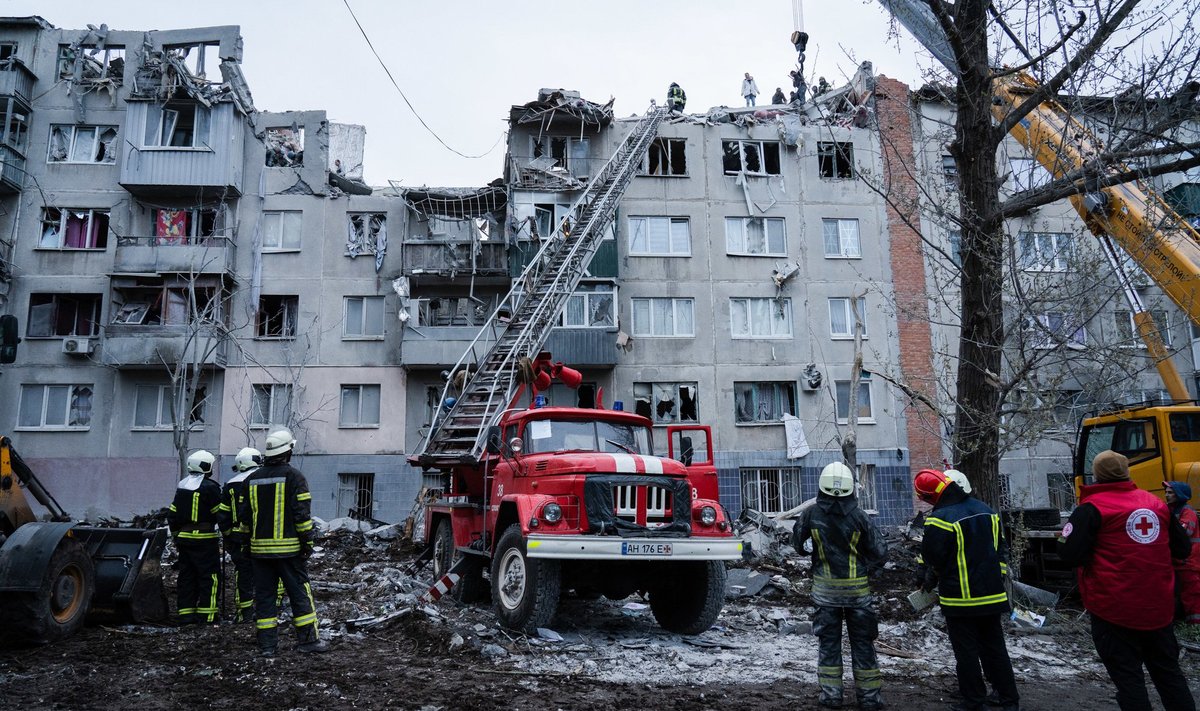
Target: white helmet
x=280, y=442
x=247, y=459
x=959, y=478
x=836, y=480
x=200, y=462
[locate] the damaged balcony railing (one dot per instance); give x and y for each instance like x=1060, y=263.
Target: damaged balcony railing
x=175, y=253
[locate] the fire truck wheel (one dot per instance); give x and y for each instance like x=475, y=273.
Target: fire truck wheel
x=524, y=590
x=690, y=596
x=471, y=586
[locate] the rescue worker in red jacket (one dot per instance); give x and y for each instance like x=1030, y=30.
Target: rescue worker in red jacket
x=964, y=552
x=193, y=518
x=1122, y=539
x=846, y=544
x=1187, y=570
x=247, y=462
x=275, y=513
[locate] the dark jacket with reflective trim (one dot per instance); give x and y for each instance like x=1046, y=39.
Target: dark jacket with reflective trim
x=965, y=549
x=231, y=498
x=195, y=513
x=846, y=544
x=275, y=510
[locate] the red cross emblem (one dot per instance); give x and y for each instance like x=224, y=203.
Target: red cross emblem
x=1142, y=526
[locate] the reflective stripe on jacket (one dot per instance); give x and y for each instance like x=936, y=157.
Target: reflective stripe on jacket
x=194, y=513
x=964, y=547
x=276, y=511
x=845, y=544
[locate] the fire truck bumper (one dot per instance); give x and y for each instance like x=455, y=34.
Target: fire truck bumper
x=612, y=548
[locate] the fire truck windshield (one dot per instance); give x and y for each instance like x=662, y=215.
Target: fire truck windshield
x=585, y=436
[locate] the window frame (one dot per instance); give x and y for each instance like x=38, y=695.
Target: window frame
x=97, y=131
x=649, y=301
x=587, y=296
x=272, y=390
x=832, y=154
x=754, y=482
x=202, y=119
x=45, y=403
x=745, y=223
x=672, y=221
x=195, y=217
x=1044, y=336
x=848, y=313
x=1134, y=339
x=676, y=388
x=842, y=251
x=762, y=157
x=97, y=315
x=864, y=385
x=750, y=334
x=667, y=147
x=282, y=216
x=358, y=423
x=164, y=398
x=289, y=305
x=1033, y=258
x=783, y=393
x=363, y=336
x=64, y=215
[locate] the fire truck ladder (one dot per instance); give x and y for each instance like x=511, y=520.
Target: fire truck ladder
x=521, y=323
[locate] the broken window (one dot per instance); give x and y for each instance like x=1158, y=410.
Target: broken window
x=666, y=156
x=96, y=64
x=757, y=403
x=591, y=306
x=282, y=230
x=665, y=403
x=950, y=171
x=82, y=144
x=285, y=147
x=761, y=318
x=559, y=395
x=663, y=317
x=199, y=59
x=954, y=247
x=360, y=406
x=270, y=404
x=835, y=159
x=166, y=301
x=71, y=228
x=367, y=234
x=16, y=131
x=154, y=407
x=177, y=124
x=864, y=399
x=660, y=236
x=52, y=315
x=8, y=50
x=1045, y=251
x=277, y=316
x=771, y=491
x=841, y=317
x=841, y=238
x=568, y=153
x=181, y=226
x=756, y=157
x=1127, y=331
x=57, y=407
x=363, y=317
x=755, y=235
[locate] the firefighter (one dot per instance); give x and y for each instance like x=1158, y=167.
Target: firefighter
x=959, y=478
x=964, y=552
x=1187, y=570
x=275, y=511
x=846, y=544
x=193, y=518
x=248, y=461
x=676, y=98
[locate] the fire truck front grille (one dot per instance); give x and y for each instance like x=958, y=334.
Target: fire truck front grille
x=655, y=500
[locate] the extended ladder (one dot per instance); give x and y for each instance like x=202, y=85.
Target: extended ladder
x=521, y=323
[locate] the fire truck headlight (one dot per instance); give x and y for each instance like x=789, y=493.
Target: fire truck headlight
x=552, y=513
x=708, y=515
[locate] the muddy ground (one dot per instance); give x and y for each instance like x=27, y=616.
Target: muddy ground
x=389, y=653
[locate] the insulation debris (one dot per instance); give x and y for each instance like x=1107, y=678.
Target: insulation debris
x=562, y=106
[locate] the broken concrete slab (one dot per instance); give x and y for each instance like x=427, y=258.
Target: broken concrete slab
x=743, y=582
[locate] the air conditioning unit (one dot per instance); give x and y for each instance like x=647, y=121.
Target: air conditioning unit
x=78, y=346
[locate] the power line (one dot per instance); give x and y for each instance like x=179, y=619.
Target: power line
x=402, y=95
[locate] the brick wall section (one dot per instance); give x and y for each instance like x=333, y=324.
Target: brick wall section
x=894, y=118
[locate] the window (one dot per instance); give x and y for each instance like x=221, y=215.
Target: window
x=841, y=317
x=176, y=124
x=52, y=315
x=666, y=156
x=950, y=171
x=841, y=238
x=835, y=159
x=154, y=407
x=96, y=65
x=758, y=157
x=185, y=226
x=864, y=399
x=74, y=228
x=1050, y=329
x=867, y=500
x=660, y=236
x=564, y=152
x=1045, y=251
x=82, y=144
x=55, y=407
x=356, y=496
x=591, y=306
x=755, y=235
x=665, y=403
x=954, y=247
x=367, y=233
x=559, y=395
x=285, y=147
x=1027, y=174
x=271, y=404
x=761, y=318
x=8, y=50
x=663, y=317
x=154, y=301
x=281, y=230
x=360, y=406
x=18, y=129
x=277, y=316
x=1128, y=334
x=433, y=398
x=363, y=317
x=771, y=491
x=763, y=403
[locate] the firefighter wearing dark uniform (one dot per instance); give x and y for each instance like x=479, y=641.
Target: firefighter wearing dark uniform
x=276, y=513
x=1122, y=539
x=247, y=462
x=676, y=98
x=193, y=518
x=845, y=545
x=964, y=552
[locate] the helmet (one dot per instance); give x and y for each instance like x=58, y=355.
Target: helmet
x=200, y=462
x=280, y=442
x=836, y=480
x=929, y=485
x=959, y=478
x=248, y=458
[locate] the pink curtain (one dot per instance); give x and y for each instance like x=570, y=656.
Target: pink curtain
x=171, y=227
x=76, y=237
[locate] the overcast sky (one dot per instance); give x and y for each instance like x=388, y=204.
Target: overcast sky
x=463, y=63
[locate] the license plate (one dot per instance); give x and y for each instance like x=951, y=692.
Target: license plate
x=646, y=549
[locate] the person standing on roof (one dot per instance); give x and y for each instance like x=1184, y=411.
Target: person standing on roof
x=846, y=545
x=749, y=89
x=1187, y=570
x=193, y=517
x=964, y=552
x=247, y=462
x=676, y=98
x=779, y=97
x=1122, y=539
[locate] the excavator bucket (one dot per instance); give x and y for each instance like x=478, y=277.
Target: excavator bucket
x=127, y=561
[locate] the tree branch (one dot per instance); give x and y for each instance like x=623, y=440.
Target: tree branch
x=1057, y=46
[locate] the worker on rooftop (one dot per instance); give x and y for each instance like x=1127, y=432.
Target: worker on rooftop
x=779, y=97
x=676, y=98
x=749, y=89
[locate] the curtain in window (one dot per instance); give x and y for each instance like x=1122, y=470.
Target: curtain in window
x=171, y=227
x=839, y=322
x=663, y=318
x=76, y=234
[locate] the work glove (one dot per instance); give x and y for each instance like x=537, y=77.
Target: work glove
x=306, y=549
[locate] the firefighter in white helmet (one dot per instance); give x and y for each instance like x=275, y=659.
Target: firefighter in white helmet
x=276, y=514
x=959, y=478
x=846, y=544
x=194, y=516
x=247, y=461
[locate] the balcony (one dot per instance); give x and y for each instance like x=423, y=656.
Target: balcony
x=16, y=80
x=584, y=347
x=205, y=255
x=205, y=158
x=604, y=264
x=12, y=170
x=424, y=257
x=140, y=347
x=435, y=346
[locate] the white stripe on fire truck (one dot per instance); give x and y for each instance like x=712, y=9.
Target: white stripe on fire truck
x=636, y=464
x=624, y=463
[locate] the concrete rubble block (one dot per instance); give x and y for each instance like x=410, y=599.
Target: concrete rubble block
x=387, y=533
x=743, y=582
x=347, y=524
x=456, y=641
x=493, y=651
x=795, y=627
x=549, y=634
